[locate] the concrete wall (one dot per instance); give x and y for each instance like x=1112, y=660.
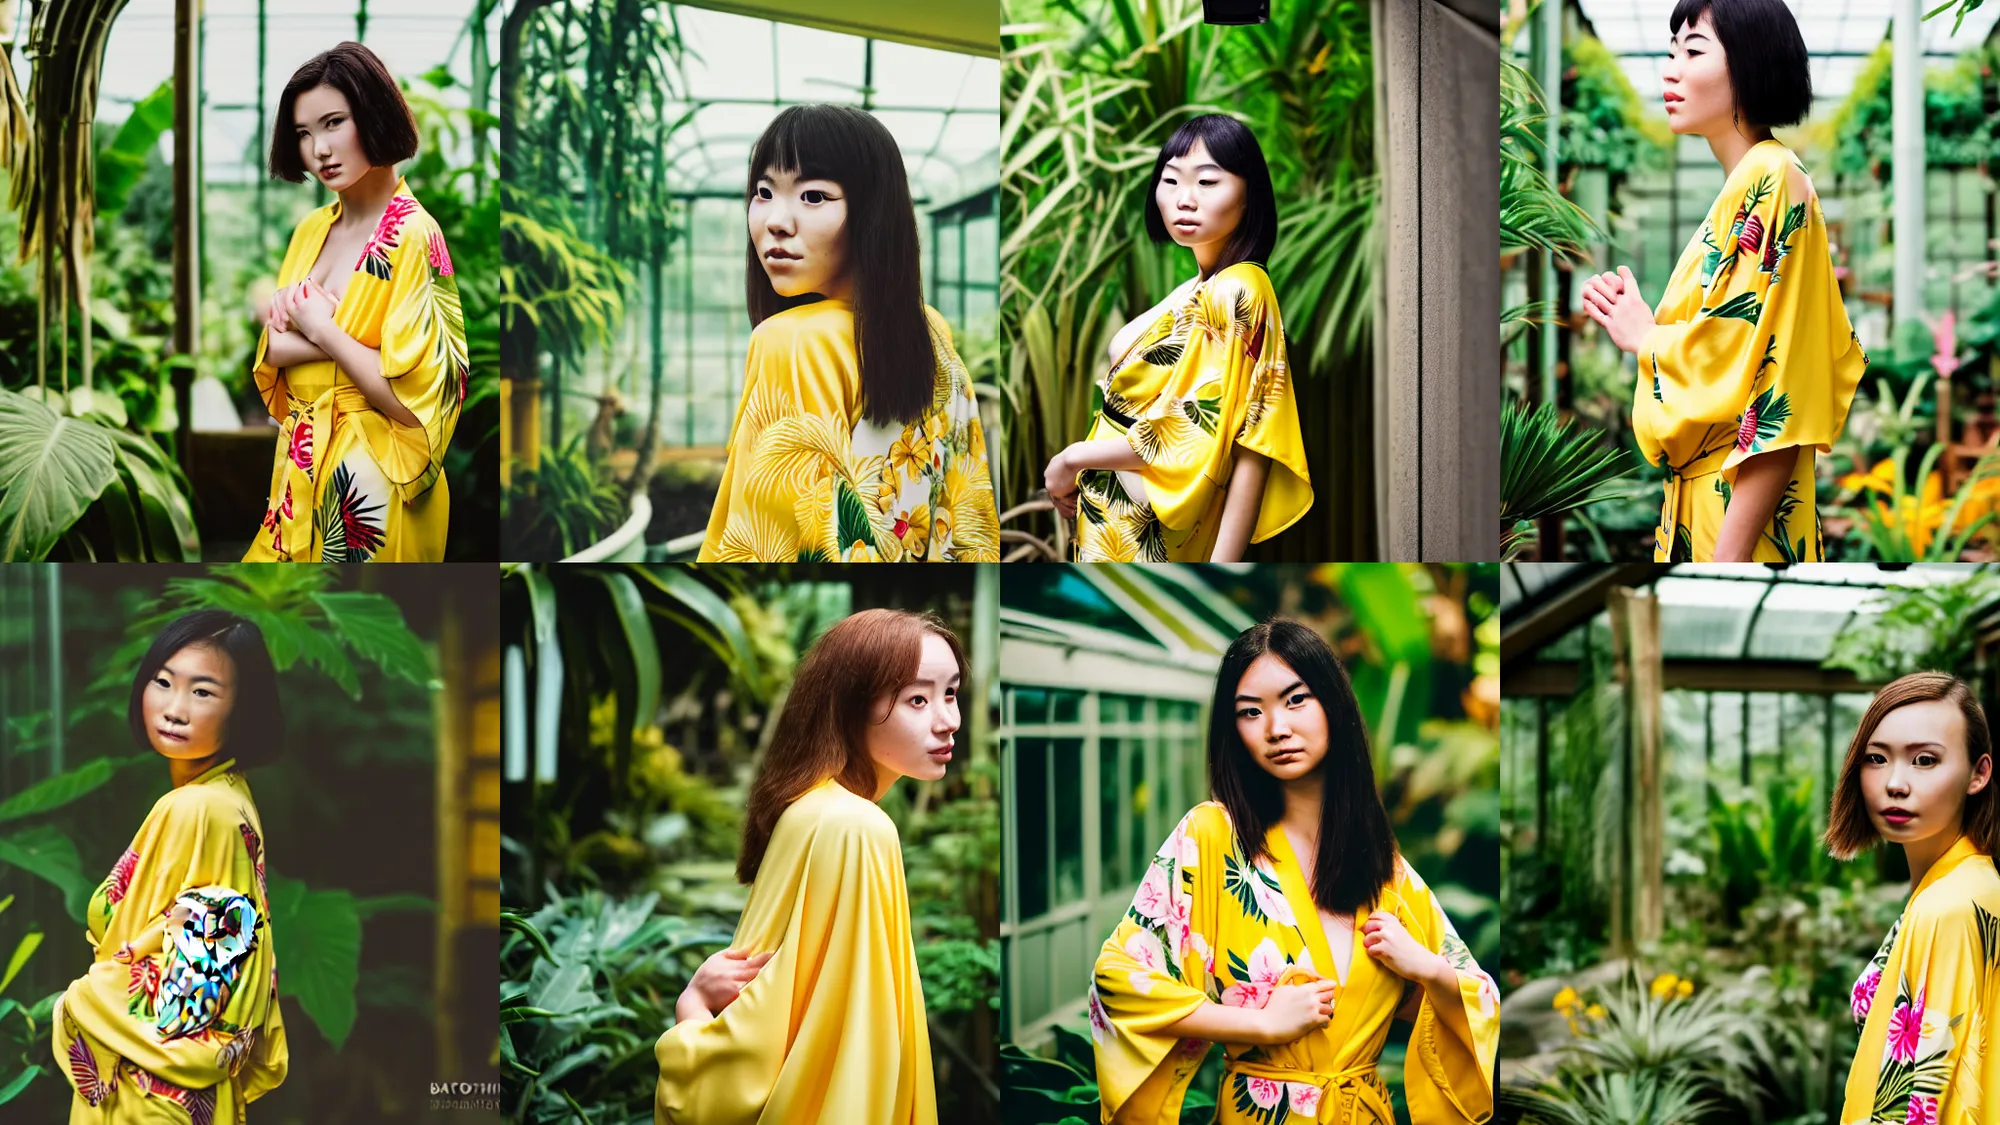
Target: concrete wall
x=1437, y=364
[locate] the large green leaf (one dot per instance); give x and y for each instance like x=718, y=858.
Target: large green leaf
x=374, y=626
x=20, y=1082
x=631, y=611
x=22, y=952
x=46, y=853
x=703, y=612
x=122, y=162
x=59, y=790
x=51, y=469
x=318, y=935
x=159, y=494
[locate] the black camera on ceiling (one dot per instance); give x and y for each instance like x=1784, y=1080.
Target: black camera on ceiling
x=1235, y=12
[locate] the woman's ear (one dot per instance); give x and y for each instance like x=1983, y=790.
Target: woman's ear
x=1982, y=774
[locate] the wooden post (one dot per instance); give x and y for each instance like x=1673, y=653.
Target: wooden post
x=1641, y=890
x=187, y=219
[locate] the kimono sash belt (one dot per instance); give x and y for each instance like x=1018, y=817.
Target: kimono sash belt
x=1706, y=467
x=1340, y=1094
x=323, y=415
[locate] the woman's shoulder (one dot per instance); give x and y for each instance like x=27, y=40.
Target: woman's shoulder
x=1773, y=161
x=222, y=797
x=833, y=811
x=1244, y=283
x=1966, y=892
x=818, y=320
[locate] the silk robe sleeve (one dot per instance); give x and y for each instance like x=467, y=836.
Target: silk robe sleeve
x=184, y=984
x=423, y=357
x=1763, y=363
x=1925, y=1054
x=966, y=521
x=832, y=1030
x=1448, y=1073
x=1236, y=392
x=800, y=389
x=1157, y=968
x=292, y=268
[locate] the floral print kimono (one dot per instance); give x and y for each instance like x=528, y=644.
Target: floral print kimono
x=831, y=1031
x=810, y=479
x=1753, y=353
x=177, y=1020
x=347, y=483
x=1207, y=926
x=1205, y=379
x=1927, y=1003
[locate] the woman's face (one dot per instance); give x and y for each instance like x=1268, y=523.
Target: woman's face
x=914, y=737
x=1199, y=201
x=187, y=703
x=1699, y=98
x=1279, y=719
x=799, y=228
x=1916, y=772
x=329, y=142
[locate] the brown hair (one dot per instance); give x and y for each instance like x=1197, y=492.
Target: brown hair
x=822, y=731
x=1849, y=832
x=388, y=132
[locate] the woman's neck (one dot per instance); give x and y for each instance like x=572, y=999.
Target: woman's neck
x=1924, y=854
x=1730, y=146
x=365, y=202
x=184, y=770
x=1302, y=807
x=1206, y=257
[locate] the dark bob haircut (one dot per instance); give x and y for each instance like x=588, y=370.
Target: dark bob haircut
x=1849, y=832
x=1356, y=859
x=388, y=132
x=256, y=709
x=1235, y=148
x=892, y=338
x=1767, y=56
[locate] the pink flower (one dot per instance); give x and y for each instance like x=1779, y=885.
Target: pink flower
x=121, y=877
x=1269, y=899
x=1906, y=1026
x=302, y=444
x=1266, y=966
x=440, y=257
x=1864, y=992
x=1264, y=1091
x=1304, y=1098
x=1145, y=949
x=1100, y=1021
x=1923, y=1110
x=1151, y=900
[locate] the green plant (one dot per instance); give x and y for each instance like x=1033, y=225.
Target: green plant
x=1916, y=526
x=562, y=506
x=1547, y=468
x=54, y=467
x=1917, y=628
x=1534, y=215
x=1612, y=1099
x=10, y=1088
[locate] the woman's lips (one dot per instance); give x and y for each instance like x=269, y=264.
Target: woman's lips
x=172, y=737
x=1282, y=756
x=942, y=753
x=1898, y=817
x=329, y=171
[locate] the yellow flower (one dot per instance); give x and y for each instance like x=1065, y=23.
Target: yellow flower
x=912, y=452
x=1663, y=985
x=1684, y=989
x=1596, y=1012
x=1566, y=999
x=1881, y=478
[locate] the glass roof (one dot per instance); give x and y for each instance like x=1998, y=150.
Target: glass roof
x=942, y=107
x=1720, y=611
x=1839, y=35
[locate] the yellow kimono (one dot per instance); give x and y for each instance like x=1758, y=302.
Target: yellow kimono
x=1927, y=1003
x=810, y=479
x=831, y=1031
x=177, y=1020
x=347, y=483
x=1753, y=352
x=1206, y=378
x=1207, y=927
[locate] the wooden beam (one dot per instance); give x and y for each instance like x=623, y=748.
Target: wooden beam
x=1561, y=678
x=1525, y=633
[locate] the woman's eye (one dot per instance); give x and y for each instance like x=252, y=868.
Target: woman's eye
x=1206, y=183
x=918, y=701
x=1248, y=713
x=204, y=693
x=814, y=196
x=161, y=681
x=1927, y=759
x=1300, y=698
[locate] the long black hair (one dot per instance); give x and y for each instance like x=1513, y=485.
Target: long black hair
x=1235, y=148
x=256, y=728
x=1768, y=67
x=891, y=337
x=1356, y=857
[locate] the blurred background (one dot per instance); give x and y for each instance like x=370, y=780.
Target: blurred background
x=627, y=167
x=159, y=448
x=1675, y=931
x=1106, y=673
x=379, y=814
x=661, y=684
x=1093, y=89
x=1593, y=178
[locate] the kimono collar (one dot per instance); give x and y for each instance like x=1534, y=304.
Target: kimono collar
x=402, y=188
x=214, y=771
x=1958, y=853
x=1292, y=881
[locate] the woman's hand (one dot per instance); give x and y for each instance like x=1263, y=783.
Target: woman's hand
x=723, y=976
x=1385, y=939
x=311, y=309
x=276, y=318
x=1060, y=479
x=1612, y=299
x=1294, y=1011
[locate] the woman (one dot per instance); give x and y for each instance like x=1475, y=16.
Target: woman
x=180, y=1005
x=1195, y=452
x=362, y=360
x=816, y=1014
x=1919, y=774
x=858, y=435
x=1749, y=365
x=1280, y=921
